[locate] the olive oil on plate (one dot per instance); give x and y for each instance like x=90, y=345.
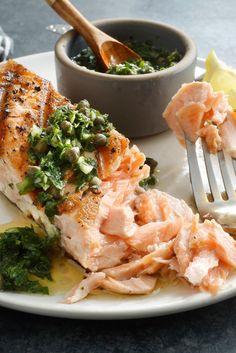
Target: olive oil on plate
x=65, y=272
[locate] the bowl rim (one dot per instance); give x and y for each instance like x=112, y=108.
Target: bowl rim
x=189, y=57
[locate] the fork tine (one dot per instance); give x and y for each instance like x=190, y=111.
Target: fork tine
x=223, y=211
x=223, y=161
x=210, y=173
x=195, y=174
x=234, y=164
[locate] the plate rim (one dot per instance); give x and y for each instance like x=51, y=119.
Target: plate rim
x=65, y=310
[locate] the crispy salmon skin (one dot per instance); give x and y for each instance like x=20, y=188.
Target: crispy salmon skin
x=25, y=99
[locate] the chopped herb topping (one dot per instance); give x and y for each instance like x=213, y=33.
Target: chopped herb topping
x=24, y=256
x=60, y=150
x=153, y=59
x=132, y=67
x=49, y=201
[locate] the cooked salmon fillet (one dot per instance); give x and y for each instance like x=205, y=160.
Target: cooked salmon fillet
x=122, y=234
x=27, y=99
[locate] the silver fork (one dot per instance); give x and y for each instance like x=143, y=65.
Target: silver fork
x=217, y=204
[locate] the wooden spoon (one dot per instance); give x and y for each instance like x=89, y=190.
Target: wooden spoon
x=108, y=50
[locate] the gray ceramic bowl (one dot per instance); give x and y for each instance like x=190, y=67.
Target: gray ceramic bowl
x=135, y=103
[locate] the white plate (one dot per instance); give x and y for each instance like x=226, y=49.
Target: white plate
x=174, y=179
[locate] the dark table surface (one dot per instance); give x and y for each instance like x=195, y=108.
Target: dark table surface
x=211, y=24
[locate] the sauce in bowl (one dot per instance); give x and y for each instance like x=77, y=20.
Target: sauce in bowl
x=153, y=59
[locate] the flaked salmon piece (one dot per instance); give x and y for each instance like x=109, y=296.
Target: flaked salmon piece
x=125, y=180
x=200, y=266
x=132, y=162
x=215, y=279
x=120, y=222
x=220, y=108
x=92, y=249
x=173, y=265
x=211, y=134
x=111, y=156
x=148, y=264
x=122, y=192
x=148, y=208
x=182, y=249
x=195, y=92
x=155, y=205
x=212, y=236
x=81, y=236
x=107, y=200
x=119, y=191
x=228, y=133
x=86, y=286
x=190, y=119
x=205, y=254
x=130, y=172
x=148, y=236
x=193, y=105
x=142, y=285
x=185, y=95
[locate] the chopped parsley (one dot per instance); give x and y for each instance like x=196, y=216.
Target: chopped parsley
x=24, y=257
x=49, y=202
x=132, y=67
x=153, y=59
x=63, y=152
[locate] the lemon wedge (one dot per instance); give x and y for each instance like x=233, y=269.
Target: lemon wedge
x=221, y=77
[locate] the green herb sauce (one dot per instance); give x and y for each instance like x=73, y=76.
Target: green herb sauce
x=24, y=257
x=153, y=59
x=58, y=154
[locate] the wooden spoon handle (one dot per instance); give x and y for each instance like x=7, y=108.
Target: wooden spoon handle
x=71, y=15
